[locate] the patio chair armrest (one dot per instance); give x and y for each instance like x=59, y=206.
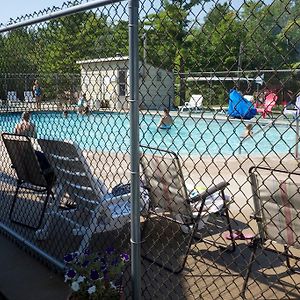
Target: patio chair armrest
x=218, y=187
x=111, y=199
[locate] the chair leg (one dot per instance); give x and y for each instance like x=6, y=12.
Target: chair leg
x=42, y=233
x=14, y=200
x=19, y=183
x=49, y=192
x=227, y=217
x=252, y=258
x=288, y=263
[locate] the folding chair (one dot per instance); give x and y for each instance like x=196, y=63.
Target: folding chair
x=277, y=213
x=28, y=169
x=96, y=210
x=170, y=201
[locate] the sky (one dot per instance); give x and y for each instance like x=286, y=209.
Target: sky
x=17, y=8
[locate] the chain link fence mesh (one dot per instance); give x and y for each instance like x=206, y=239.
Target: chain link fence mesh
x=218, y=96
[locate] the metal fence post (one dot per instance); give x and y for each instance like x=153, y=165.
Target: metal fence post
x=134, y=149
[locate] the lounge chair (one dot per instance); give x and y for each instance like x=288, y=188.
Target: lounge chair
x=170, y=202
x=277, y=213
x=295, y=111
x=269, y=103
x=96, y=210
x=12, y=96
x=195, y=103
x=28, y=96
x=30, y=175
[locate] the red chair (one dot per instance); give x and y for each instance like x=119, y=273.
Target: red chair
x=270, y=101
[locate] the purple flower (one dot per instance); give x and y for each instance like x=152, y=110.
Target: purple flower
x=94, y=275
x=110, y=250
x=125, y=257
x=85, y=263
x=71, y=273
x=87, y=252
x=69, y=257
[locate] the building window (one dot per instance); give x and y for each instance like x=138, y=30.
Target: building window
x=122, y=82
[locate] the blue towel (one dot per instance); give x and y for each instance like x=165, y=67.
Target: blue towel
x=239, y=107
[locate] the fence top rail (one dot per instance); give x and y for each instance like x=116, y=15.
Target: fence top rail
x=58, y=14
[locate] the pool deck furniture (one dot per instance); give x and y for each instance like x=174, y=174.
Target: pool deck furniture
x=12, y=96
x=30, y=176
x=295, y=111
x=269, y=103
x=171, y=202
x=194, y=104
x=277, y=214
x=203, y=274
x=96, y=210
x=28, y=96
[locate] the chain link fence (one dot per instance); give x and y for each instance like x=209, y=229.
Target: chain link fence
x=218, y=88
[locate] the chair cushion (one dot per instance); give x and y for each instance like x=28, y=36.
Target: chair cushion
x=280, y=210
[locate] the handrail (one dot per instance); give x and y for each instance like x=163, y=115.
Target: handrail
x=252, y=135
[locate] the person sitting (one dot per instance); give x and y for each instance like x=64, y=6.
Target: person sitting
x=86, y=110
x=81, y=105
x=166, y=121
x=25, y=127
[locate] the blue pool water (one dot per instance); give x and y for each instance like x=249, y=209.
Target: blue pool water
x=201, y=136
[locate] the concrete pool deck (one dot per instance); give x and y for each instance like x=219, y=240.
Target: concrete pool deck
x=201, y=277
x=23, y=277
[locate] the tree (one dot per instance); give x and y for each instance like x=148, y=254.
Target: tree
x=171, y=25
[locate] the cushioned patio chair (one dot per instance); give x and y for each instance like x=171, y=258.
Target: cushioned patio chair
x=277, y=213
x=171, y=202
x=96, y=210
x=195, y=103
x=295, y=111
x=30, y=175
x=269, y=103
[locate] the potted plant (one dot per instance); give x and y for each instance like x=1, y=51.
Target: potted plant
x=95, y=276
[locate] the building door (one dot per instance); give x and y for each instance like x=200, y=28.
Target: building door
x=122, y=82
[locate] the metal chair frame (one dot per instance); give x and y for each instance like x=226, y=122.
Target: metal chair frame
x=193, y=221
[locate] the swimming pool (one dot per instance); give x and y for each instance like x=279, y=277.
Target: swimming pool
x=189, y=136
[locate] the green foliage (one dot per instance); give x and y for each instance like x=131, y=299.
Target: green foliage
x=257, y=36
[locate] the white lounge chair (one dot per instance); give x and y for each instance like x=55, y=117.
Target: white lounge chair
x=295, y=111
x=28, y=96
x=12, y=96
x=96, y=210
x=195, y=103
